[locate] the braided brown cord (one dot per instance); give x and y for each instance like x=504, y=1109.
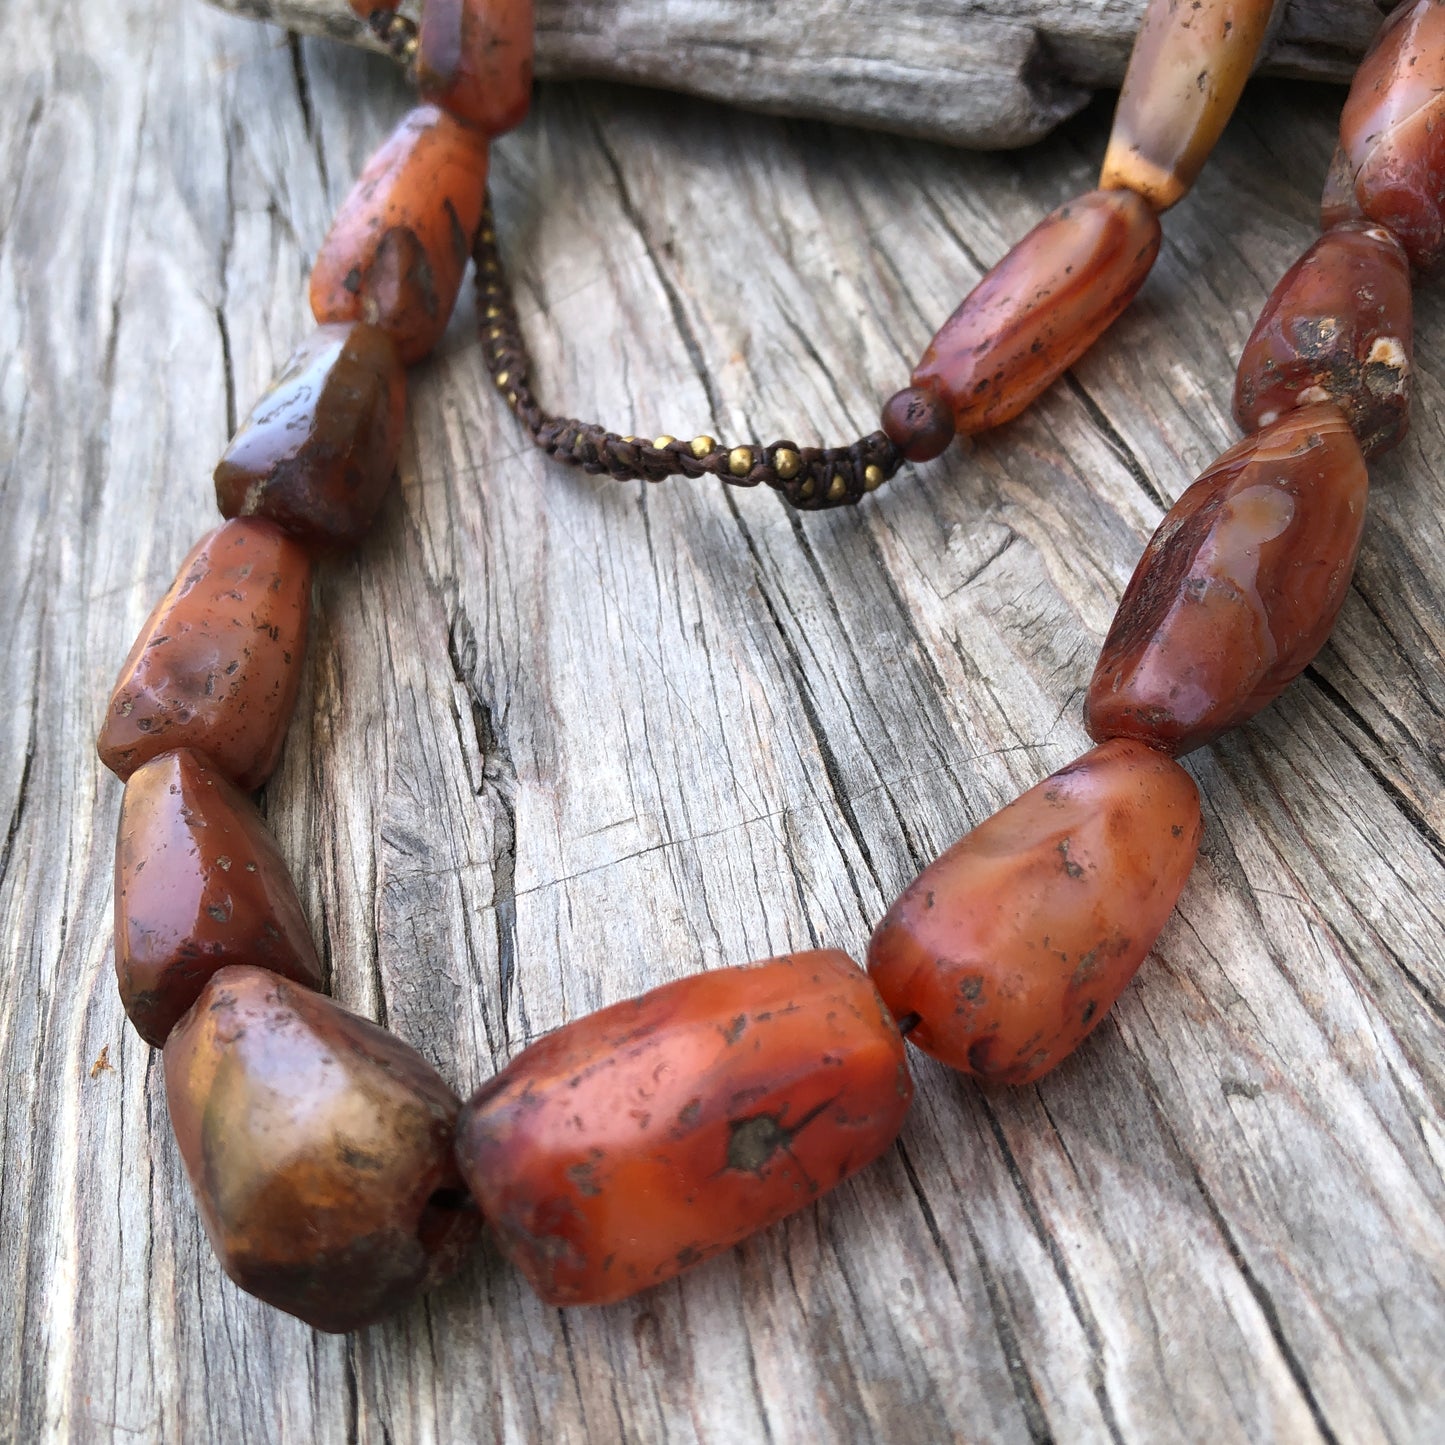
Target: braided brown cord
x=810, y=478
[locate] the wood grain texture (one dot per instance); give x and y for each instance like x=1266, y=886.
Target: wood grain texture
x=987, y=73
x=564, y=739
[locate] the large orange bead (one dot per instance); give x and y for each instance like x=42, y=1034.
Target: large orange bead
x=1007, y=951
x=319, y=450
x=641, y=1140
x=1239, y=587
x=1392, y=130
x=218, y=663
x=199, y=884
x=1041, y=308
x=395, y=254
x=319, y=1147
x=474, y=58
x=1185, y=77
x=1339, y=327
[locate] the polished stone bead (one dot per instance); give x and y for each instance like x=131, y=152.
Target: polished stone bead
x=319, y=1148
x=474, y=59
x=1339, y=327
x=638, y=1141
x=1393, y=130
x=319, y=450
x=1008, y=950
x=1185, y=77
x=1041, y=308
x=199, y=884
x=1239, y=587
x=218, y=663
x=919, y=423
x=395, y=254
x=1337, y=200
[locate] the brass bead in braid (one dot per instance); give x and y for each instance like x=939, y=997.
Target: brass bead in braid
x=809, y=478
x=396, y=33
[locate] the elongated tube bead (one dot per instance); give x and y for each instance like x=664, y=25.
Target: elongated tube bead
x=1009, y=949
x=1185, y=77
x=1040, y=308
x=1238, y=589
x=641, y=1140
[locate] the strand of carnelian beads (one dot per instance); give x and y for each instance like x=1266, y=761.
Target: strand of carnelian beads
x=336, y=1172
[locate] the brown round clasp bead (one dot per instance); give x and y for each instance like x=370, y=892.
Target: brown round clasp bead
x=919, y=423
x=319, y=1147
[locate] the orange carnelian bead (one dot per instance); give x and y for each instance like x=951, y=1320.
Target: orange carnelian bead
x=641, y=1140
x=919, y=423
x=1009, y=949
x=1392, y=130
x=1041, y=308
x=199, y=884
x=319, y=450
x=1239, y=587
x=218, y=663
x=474, y=58
x=367, y=8
x=397, y=249
x=1338, y=328
x=1185, y=77
x=319, y=1148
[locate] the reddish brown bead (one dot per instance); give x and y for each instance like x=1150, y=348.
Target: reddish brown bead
x=1185, y=77
x=1338, y=328
x=643, y=1139
x=367, y=8
x=1010, y=948
x=1238, y=589
x=1393, y=130
x=319, y=450
x=397, y=249
x=199, y=884
x=1337, y=201
x=319, y=1148
x=919, y=423
x=218, y=663
x=474, y=58
x=1041, y=308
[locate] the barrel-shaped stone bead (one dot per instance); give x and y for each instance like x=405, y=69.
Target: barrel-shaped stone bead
x=319, y=450
x=319, y=1147
x=218, y=663
x=395, y=254
x=1185, y=77
x=199, y=885
x=1239, y=587
x=640, y=1140
x=1009, y=949
x=1392, y=130
x=1339, y=327
x=474, y=59
x=1041, y=308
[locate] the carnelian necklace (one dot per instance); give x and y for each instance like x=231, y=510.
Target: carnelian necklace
x=336, y=1173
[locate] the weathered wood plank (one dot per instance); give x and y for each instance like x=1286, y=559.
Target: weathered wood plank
x=566, y=739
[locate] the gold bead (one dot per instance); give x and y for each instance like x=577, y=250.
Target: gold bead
x=807, y=489
x=873, y=478
x=662, y=443
x=511, y=398
x=495, y=334
x=837, y=488
x=489, y=236
x=703, y=446
x=503, y=377
x=740, y=461
x=786, y=462
x=631, y=441
x=492, y=313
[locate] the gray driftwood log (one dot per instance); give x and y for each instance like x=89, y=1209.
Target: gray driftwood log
x=984, y=73
x=564, y=739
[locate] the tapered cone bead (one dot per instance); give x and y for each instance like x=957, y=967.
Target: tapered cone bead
x=474, y=58
x=1339, y=327
x=1036, y=313
x=319, y=1147
x=1187, y=72
x=641, y=1140
x=218, y=663
x=319, y=450
x=1238, y=589
x=1393, y=130
x=1008, y=950
x=199, y=885
x=395, y=254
